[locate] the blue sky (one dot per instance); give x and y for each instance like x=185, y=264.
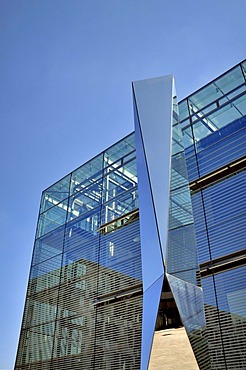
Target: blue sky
x=66, y=68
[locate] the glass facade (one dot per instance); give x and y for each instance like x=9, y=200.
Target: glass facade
x=213, y=122
x=84, y=301
x=150, y=230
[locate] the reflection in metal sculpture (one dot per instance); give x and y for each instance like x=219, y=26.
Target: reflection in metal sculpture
x=166, y=221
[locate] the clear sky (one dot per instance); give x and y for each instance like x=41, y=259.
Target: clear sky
x=66, y=68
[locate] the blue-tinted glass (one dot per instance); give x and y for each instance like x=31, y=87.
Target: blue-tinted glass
x=204, y=97
x=55, y=193
x=189, y=300
x=231, y=291
x=87, y=174
x=48, y=246
x=119, y=180
x=85, y=201
x=226, y=215
x=215, y=89
x=230, y=80
x=226, y=114
x=81, y=240
x=221, y=147
x=45, y=275
x=120, y=259
x=200, y=228
x=180, y=211
x=179, y=175
x=187, y=134
x=119, y=150
x=52, y=218
x=183, y=110
x=182, y=254
x=119, y=206
x=243, y=65
x=177, y=140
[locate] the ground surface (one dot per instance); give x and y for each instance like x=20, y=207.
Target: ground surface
x=172, y=351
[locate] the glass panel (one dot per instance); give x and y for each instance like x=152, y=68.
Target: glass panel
x=45, y=275
x=119, y=180
x=203, y=128
x=240, y=104
x=119, y=206
x=120, y=259
x=225, y=210
x=231, y=296
x=177, y=140
x=183, y=110
x=118, y=326
x=189, y=300
x=182, y=253
x=85, y=201
x=48, y=246
x=200, y=228
x=87, y=174
x=119, y=150
x=225, y=115
x=179, y=175
x=243, y=65
x=180, y=210
x=55, y=193
x=52, y=218
x=213, y=332
x=37, y=344
x=230, y=80
x=204, y=97
x=82, y=242
x=221, y=147
x=216, y=89
x=187, y=135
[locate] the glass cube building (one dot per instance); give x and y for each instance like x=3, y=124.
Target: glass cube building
x=148, y=234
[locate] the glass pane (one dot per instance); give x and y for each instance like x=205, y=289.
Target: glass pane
x=120, y=179
x=55, y=193
x=183, y=110
x=119, y=150
x=86, y=200
x=45, y=275
x=86, y=174
x=52, y=218
x=48, y=246
x=120, y=259
x=204, y=97
x=230, y=80
x=225, y=115
x=187, y=135
x=119, y=206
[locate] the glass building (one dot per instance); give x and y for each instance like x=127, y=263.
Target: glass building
x=147, y=235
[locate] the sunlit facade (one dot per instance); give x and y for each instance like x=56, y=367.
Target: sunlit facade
x=147, y=235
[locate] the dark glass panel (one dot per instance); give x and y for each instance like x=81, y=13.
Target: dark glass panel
x=118, y=335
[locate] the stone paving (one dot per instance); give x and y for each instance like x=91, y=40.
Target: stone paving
x=172, y=351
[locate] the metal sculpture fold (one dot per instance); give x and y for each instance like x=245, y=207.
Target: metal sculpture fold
x=166, y=220
x=153, y=121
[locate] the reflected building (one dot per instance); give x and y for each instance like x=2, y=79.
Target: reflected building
x=148, y=235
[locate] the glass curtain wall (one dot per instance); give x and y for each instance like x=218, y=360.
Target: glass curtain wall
x=84, y=301
x=214, y=129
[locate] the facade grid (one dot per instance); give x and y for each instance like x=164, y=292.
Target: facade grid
x=146, y=235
